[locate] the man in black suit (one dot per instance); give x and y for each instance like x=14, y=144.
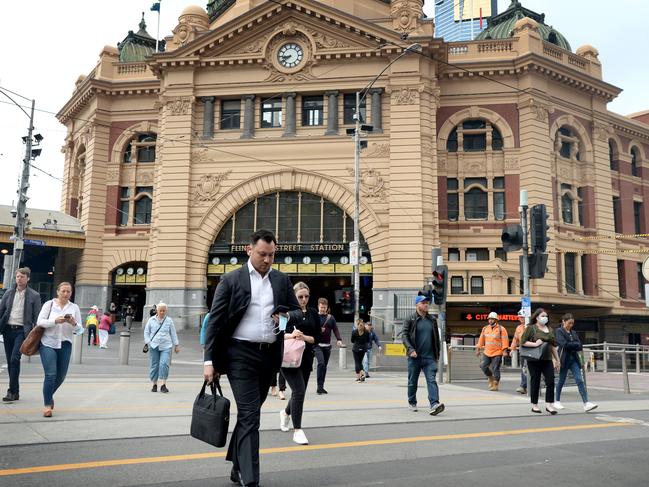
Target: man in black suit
x=19, y=308
x=244, y=341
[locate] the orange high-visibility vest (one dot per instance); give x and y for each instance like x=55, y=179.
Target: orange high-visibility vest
x=494, y=340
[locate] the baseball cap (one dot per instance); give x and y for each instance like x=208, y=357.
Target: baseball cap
x=420, y=299
x=492, y=315
x=521, y=313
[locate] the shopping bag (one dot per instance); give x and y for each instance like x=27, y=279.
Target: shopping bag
x=211, y=416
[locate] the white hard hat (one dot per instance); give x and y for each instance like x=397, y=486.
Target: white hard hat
x=493, y=315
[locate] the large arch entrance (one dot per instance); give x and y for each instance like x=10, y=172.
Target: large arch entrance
x=313, y=235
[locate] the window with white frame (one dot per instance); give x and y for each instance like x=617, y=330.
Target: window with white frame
x=140, y=148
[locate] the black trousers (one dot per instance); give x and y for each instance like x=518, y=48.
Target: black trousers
x=281, y=382
x=13, y=339
x=250, y=373
x=92, y=334
x=322, y=355
x=536, y=368
x=297, y=379
x=358, y=360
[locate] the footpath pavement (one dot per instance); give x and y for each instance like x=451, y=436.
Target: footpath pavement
x=101, y=399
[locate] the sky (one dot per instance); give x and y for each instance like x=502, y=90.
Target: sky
x=47, y=45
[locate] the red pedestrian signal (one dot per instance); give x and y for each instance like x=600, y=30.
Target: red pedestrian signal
x=439, y=284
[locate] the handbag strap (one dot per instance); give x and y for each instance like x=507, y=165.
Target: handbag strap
x=159, y=328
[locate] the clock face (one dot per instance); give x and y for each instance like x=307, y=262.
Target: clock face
x=290, y=55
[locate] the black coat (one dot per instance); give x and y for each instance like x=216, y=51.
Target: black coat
x=409, y=335
x=308, y=322
x=230, y=303
x=32, y=308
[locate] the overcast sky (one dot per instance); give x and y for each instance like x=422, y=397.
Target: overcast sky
x=46, y=45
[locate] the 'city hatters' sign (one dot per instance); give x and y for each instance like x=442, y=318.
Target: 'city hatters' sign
x=316, y=247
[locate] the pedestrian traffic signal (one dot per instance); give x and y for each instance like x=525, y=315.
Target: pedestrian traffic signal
x=539, y=229
x=512, y=238
x=537, y=264
x=439, y=284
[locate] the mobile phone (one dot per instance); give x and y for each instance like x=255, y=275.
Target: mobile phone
x=67, y=316
x=280, y=309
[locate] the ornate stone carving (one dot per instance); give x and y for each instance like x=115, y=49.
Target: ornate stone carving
x=209, y=186
x=254, y=47
x=441, y=165
x=112, y=174
x=540, y=110
x=427, y=148
x=406, y=15
x=372, y=184
x=325, y=42
x=201, y=155
x=276, y=76
x=405, y=96
x=511, y=165
x=145, y=177
x=602, y=131
x=587, y=177
x=378, y=151
x=190, y=25
x=476, y=168
x=565, y=172
x=179, y=105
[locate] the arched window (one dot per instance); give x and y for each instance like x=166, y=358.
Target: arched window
x=567, y=144
x=552, y=38
x=140, y=149
x=476, y=205
x=474, y=135
x=566, y=208
x=635, y=159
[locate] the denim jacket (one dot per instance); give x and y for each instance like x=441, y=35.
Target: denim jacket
x=163, y=339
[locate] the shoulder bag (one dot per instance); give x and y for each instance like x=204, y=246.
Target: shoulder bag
x=32, y=343
x=533, y=354
x=145, y=348
x=293, y=351
x=211, y=416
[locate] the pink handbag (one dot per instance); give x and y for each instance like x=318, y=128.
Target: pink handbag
x=293, y=351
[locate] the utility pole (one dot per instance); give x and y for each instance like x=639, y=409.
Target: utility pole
x=525, y=258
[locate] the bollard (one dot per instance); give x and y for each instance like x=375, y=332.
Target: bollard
x=342, y=358
x=625, y=374
x=124, y=343
x=514, y=355
x=129, y=322
x=77, y=347
x=605, y=357
x=637, y=358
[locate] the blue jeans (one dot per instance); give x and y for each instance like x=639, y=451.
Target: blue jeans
x=159, y=364
x=524, y=374
x=429, y=367
x=13, y=338
x=574, y=367
x=367, y=361
x=55, y=364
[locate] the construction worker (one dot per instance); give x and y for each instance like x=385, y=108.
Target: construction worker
x=495, y=343
x=516, y=343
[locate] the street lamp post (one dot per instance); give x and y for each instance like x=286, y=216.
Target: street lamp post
x=360, y=96
x=31, y=153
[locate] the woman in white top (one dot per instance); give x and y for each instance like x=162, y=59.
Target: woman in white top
x=61, y=318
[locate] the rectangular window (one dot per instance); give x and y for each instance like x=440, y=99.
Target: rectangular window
x=621, y=279
x=473, y=255
x=332, y=223
x=477, y=285
x=457, y=285
x=499, y=205
x=501, y=254
x=570, y=273
x=271, y=114
x=580, y=206
x=123, y=212
x=637, y=217
x=453, y=203
x=310, y=218
x=349, y=108
x=641, y=282
x=287, y=217
x=266, y=211
x=451, y=184
x=244, y=223
x=453, y=255
x=475, y=204
x=312, y=111
x=143, y=211
x=230, y=114
x=616, y=214
x=475, y=142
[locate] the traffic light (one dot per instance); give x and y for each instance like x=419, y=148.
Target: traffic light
x=538, y=229
x=440, y=275
x=537, y=264
x=512, y=238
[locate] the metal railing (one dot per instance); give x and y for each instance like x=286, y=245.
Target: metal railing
x=611, y=354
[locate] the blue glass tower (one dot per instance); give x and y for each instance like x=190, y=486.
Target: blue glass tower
x=459, y=20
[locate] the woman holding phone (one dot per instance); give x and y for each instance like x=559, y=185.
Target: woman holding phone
x=61, y=318
x=304, y=325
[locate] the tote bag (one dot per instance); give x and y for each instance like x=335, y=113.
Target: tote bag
x=211, y=416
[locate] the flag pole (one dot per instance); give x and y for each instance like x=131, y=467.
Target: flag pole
x=157, y=37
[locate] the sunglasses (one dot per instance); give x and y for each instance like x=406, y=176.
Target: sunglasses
x=303, y=297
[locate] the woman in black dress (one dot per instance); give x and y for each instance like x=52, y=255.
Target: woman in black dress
x=304, y=325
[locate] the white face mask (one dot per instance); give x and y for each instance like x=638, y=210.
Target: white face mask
x=543, y=320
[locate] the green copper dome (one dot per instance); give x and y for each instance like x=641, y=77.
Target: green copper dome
x=137, y=47
x=501, y=26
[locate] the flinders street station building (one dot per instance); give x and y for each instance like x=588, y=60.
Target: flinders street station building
x=238, y=120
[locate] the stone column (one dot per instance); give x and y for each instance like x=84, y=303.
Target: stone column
x=248, y=117
x=208, y=116
x=377, y=120
x=332, y=112
x=289, y=131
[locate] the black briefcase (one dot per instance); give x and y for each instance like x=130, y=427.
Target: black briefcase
x=211, y=416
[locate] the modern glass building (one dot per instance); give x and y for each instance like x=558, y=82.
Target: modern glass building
x=462, y=20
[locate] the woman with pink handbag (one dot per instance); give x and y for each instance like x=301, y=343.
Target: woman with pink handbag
x=302, y=333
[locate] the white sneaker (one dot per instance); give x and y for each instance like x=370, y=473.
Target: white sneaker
x=558, y=405
x=589, y=406
x=283, y=420
x=300, y=438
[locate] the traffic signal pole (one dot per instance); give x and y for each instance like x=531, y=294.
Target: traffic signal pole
x=526, y=261
x=438, y=261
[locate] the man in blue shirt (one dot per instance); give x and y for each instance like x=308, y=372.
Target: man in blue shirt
x=422, y=342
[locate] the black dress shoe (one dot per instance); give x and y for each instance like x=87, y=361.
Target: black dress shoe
x=154, y=388
x=321, y=391
x=163, y=388
x=10, y=397
x=235, y=476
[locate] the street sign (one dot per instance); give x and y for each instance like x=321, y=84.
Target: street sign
x=39, y=243
x=526, y=306
x=353, y=252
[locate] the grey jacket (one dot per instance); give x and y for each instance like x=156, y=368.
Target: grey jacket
x=32, y=308
x=409, y=335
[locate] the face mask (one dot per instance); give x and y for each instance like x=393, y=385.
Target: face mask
x=283, y=320
x=543, y=320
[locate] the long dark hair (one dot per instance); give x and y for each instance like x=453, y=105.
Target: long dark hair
x=536, y=314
